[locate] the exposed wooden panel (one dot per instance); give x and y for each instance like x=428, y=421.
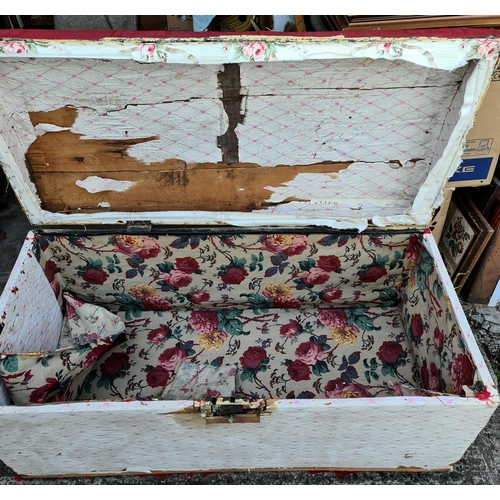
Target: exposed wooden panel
x=229, y=81
x=63, y=117
x=65, y=151
x=201, y=187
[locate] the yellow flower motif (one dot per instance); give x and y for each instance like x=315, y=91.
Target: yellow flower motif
x=347, y=393
x=345, y=335
x=281, y=239
x=142, y=291
x=212, y=340
x=352, y=391
x=130, y=240
x=274, y=290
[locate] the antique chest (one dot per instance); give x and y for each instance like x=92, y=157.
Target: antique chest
x=250, y=206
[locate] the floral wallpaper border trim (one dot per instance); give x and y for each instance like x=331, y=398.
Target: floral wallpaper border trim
x=437, y=53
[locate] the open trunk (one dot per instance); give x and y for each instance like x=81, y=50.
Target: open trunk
x=253, y=202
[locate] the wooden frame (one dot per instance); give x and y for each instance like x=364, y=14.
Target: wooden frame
x=342, y=23
x=465, y=235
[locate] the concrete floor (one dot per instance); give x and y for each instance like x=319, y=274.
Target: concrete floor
x=480, y=465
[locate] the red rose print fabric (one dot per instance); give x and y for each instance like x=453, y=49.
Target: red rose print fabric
x=89, y=331
x=321, y=315
x=134, y=274
x=293, y=354
x=445, y=365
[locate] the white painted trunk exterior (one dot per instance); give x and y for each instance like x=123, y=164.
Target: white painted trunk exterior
x=101, y=438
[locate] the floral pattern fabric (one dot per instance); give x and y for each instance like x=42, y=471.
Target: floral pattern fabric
x=200, y=381
x=281, y=353
x=84, y=323
x=444, y=364
x=301, y=314
x=134, y=274
x=48, y=377
x=327, y=315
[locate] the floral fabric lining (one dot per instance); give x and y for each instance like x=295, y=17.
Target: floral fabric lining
x=32, y=378
x=302, y=315
x=444, y=363
x=133, y=274
x=84, y=323
x=315, y=353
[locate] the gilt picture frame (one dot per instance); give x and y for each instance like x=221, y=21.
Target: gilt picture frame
x=466, y=234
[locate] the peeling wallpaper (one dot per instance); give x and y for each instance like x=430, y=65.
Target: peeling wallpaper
x=367, y=101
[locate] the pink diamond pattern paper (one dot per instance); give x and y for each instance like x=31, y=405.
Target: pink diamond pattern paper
x=15, y=135
x=342, y=74
x=31, y=317
x=184, y=130
x=391, y=190
x=371, y=125
x=451, y=119
x=339, y=110
x=45, y=84
x=118, y=102
x=357, y=109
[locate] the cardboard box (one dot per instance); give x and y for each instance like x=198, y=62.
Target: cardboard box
x=437, y=224
x=482, y=148
x=179, y=23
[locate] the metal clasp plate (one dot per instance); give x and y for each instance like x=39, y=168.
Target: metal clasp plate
x=230, y=410
x=139, y=226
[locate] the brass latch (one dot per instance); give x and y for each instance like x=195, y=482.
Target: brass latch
x=230, y=410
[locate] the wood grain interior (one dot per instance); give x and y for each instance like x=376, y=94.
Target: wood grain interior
x=199, y=187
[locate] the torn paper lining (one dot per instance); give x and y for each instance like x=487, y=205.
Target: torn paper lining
x=95, y=184
x=444, y=54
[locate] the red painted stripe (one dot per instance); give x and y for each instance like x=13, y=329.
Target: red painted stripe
x=95, y=35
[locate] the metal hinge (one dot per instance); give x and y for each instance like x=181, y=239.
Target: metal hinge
x=139, y=226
